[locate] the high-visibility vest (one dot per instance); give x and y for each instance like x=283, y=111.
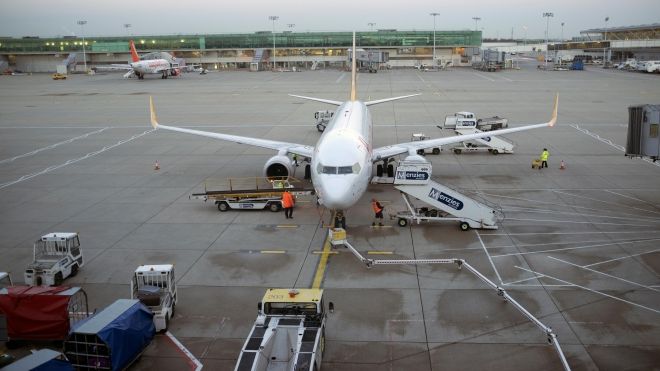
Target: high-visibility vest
x=544, y=155
x=374, y=205
x=287, y=200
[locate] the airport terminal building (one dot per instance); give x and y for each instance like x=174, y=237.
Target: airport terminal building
x=242, y=51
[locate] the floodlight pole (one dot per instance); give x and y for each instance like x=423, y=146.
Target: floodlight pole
x=371, y=24
x=547, y=27
x=604, y=40
x=82, y=28
x=476, y=23
x=434, y=15
x=273, y=18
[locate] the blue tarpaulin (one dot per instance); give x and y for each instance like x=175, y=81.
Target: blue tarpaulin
x=126, y=327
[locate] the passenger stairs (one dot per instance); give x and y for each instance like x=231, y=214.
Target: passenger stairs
x=258, y=55
x=414, y=179
x=494, y=144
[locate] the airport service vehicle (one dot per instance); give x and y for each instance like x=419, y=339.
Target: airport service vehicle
x=111, y=339
x=289, y=333
x=40, y=312
x=251, y=193
x=43, y=359
x=469, y=120
x=58, y=76
x=5, y=280
x=323, y=119
x=416, y=137
x=413, y=179
x=155, y=287
x=652, y=66
x=56, y=257
x=465, y=123
x=341, y=163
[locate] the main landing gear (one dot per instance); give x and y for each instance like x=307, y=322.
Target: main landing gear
x=385, y=169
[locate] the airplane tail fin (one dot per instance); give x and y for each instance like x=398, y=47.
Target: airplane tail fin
x=134, y=55
x=353, y=71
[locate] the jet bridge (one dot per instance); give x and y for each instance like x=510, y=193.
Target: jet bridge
x=414, y=179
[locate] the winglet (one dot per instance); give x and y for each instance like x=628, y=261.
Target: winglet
x=353, y=71
x=553, y=119
x=152, y=111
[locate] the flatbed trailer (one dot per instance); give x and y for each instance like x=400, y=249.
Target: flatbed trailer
x=251, y=193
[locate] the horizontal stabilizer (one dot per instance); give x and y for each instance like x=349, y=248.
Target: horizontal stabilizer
x=328, y=101
x=372, y=102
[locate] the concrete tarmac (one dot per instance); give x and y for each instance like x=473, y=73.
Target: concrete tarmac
x=578, y=247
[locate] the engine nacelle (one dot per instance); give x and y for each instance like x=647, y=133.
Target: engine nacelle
x=278, y=166
x=415, y=158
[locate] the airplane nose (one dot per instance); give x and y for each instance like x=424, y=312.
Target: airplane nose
x=337, y=193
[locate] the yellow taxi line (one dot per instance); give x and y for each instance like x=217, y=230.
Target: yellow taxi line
x=323, y=262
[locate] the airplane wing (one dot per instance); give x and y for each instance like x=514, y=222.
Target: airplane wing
x=115, y=67
x=282, y=147
x=412, y=147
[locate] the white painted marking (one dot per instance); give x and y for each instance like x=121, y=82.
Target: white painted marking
x=561, y=233
x=552, y=203
x=569, y=248
x=198, y=365
x=539, y=285
x=555, y=212
x=483, y=77
x=72, y=161
x=603, y=273
x=610, y=143
x=622, y=195
x=590, y=290
x=570, y=242
x=574, y=222
x=51, y=146
x=421, y=78
x=489, y=259
x=621, y=258
x=341, y=77
x=505, y=78
x=523, y=280
x=607, y=202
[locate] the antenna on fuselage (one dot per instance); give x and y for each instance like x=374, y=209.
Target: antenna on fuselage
x=353, y=69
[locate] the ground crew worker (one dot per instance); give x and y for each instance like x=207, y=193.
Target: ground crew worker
x=378, y=212
x=544, y=158
x=287, y=204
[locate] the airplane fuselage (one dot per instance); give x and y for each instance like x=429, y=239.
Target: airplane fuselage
x=151, y=66
x=341, y=162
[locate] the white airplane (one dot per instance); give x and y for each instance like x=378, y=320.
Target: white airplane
x=343, y=158
x=140, y=67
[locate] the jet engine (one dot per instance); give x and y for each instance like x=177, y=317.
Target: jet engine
x=278, y=166
x=415, y=158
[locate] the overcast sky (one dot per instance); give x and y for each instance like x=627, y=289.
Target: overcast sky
x=47, y=18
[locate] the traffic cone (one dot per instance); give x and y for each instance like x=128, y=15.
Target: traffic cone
x=562, y=165
x=156, y=165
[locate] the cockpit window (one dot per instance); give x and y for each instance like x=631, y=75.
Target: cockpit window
x=355, y=169
x=329, y=170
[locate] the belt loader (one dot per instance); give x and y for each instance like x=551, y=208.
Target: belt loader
x=289, y=333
